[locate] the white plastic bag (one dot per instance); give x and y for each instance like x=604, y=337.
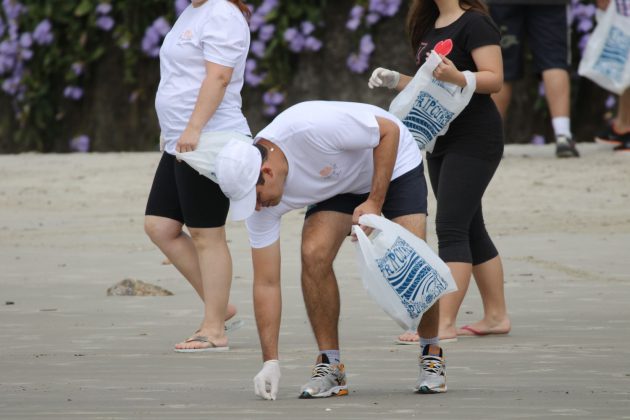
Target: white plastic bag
x=427, y=106
x=399, y=270
x=606, y=59
x=202, y=159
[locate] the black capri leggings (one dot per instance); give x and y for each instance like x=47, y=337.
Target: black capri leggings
x=458, y=183
x=180, y=193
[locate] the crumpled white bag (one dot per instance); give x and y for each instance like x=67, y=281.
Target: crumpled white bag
x=203, y=158
x=399, y=270
x=606, y=58
x=427, y=106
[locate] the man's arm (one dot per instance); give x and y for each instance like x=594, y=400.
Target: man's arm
x=384, y=156
x=267, y=298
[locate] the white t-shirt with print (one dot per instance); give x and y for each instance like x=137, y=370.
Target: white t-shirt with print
x=329, y=149
x=217, y=32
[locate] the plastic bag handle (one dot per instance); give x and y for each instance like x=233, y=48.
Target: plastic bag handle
x=374, y=221
x=471, y=83
x=363, y=241
x=434, y=60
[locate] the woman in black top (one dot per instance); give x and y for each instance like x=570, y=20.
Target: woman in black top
x=466, y=157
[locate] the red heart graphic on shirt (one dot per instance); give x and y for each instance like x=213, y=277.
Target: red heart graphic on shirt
x=444, y=47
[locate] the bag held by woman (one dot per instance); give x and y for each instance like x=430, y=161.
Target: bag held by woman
x=427, y=106
x=399, y=270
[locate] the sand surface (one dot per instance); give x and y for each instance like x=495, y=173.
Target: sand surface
x=72, y=225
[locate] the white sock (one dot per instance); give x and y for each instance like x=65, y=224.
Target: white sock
x=332, y=355
x=562, y=126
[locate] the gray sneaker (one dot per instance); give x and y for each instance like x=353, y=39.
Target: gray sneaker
x=565, y=147
x=432, y=378
x=328, y=380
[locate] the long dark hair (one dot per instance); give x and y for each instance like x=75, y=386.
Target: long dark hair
x=242, y=7
x=423, y=14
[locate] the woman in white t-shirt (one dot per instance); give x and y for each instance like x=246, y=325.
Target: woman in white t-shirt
x=202, y=65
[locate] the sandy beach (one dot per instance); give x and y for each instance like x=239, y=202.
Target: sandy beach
x=72, y=225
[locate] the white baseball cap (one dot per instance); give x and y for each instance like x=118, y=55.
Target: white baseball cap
x=238, y=168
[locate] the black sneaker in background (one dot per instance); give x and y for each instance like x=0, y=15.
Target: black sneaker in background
x=565, y=147
x=610, y=136
x=623, y=147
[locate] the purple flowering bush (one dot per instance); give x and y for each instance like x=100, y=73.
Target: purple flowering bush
x=51, y=53
x=361, y=20
x=48, y=50
x=281, y=30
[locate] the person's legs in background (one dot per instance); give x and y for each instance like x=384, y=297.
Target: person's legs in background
x=549, y=39
x=488, y=273
x=618, y=132
x=168, y=236
x=510, y=20
x=558, y=91
x=459, y=183
x=171, y=195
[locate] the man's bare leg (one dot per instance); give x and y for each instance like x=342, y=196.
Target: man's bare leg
x=432, y=378
x=416, y=224
x=557, y=91
x=322, y=236
x=429, y=324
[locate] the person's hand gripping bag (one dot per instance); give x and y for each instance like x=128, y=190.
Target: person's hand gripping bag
x=399, y=271
x=203, y=158
x=426, y=105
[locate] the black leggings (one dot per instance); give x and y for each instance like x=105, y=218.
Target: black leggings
x=458, y=183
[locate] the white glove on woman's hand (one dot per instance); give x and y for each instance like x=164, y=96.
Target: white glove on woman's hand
x=267, y=381
x=384, y=78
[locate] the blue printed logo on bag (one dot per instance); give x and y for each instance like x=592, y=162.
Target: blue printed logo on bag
x=427, y=118
x=415, y=282
x=612, y=60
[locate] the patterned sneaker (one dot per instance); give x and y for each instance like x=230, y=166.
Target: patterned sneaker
x=328, y=380
x=432, y=378
x=565, y=147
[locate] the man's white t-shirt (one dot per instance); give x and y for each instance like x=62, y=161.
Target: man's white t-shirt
x=217, y=32
x=329, y=147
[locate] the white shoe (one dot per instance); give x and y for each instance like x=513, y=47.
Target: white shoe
x=432, y=379
x=328, y=380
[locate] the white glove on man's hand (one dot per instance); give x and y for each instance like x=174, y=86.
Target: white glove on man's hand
x=384, y=78
x=267, y=380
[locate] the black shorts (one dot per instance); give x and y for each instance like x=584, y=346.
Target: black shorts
x=181, y=193
x=406, y=195
x=544, y=27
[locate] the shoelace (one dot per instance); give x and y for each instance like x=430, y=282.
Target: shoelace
x=322, y=369
x=432, y=364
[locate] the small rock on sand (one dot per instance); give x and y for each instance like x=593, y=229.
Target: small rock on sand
x=131, y=287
